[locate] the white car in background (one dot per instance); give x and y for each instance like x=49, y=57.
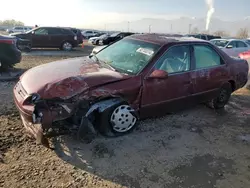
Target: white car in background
x=88, y=33
x=232, y=47
x=95, y=40
x=19, y=29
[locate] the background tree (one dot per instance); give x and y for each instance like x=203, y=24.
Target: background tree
x=242, y=33
x=11, y=23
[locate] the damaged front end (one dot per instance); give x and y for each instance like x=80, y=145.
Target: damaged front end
x=44, y=114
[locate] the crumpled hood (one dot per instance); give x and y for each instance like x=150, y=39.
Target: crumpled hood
x=67, y=78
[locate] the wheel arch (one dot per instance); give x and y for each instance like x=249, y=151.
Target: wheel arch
x=104, y=104
x=61, y=45
x=233, y=85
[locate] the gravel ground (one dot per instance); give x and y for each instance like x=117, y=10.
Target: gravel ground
x=198, y=147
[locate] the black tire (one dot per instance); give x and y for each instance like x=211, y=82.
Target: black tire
x=104, y=125
x=4, y=66
x=97, y=42
x=222, y=99
x=66, y=46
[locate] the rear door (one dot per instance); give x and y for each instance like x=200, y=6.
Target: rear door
x=241, y=47
x=56, y=37
x=40, y=38
x=209, y=73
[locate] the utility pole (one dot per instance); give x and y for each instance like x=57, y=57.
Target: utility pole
x=189, y=29
x=149, y=29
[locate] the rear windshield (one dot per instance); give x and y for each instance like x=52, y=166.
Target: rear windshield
x=220, y=43
x=248, y=42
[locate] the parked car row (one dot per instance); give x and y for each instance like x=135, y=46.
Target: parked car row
x=51, y=37
x=107, y=39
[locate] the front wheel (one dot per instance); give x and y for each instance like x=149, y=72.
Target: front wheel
x=222, y=99
x=117, y=120
x=67, y=46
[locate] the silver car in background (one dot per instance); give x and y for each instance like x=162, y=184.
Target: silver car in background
x=232, y=47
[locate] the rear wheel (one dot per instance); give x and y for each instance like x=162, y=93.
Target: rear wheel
x=67, y=46
x=223, y=97
x=4, y=66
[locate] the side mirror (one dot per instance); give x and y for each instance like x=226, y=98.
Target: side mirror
x=229, y=46
x=160, y=74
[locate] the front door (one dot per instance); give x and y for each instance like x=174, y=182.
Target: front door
x=209, y=72
x=169, y=94
x=40, y=38
x=231, y=49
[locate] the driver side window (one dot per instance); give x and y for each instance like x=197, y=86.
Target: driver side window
x=41, y=31
x=176, y=59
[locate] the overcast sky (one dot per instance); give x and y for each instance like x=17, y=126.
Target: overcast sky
x=93, y=13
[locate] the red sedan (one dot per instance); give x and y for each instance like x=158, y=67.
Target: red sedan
x=137, y=77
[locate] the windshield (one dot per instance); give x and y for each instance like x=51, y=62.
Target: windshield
x=29, y=31
x=220, y=43
x=128, y=56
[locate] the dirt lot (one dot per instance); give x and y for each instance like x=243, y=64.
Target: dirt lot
x=198, y=148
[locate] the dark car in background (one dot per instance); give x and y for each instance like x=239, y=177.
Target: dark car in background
x=79, y=35
x=114, y=37
x=9, y=54
x=203, y=36
x=50, y=37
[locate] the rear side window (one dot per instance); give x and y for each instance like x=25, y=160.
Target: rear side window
x=74, y=30
x=54, y=31
x=67, y=32
x=240, y=44
x=206, y=57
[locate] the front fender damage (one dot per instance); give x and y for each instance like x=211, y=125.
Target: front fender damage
x=87, y=104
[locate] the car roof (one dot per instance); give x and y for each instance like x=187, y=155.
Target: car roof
x=162, y=39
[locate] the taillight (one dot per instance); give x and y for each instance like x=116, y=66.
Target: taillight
x=7, y=41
